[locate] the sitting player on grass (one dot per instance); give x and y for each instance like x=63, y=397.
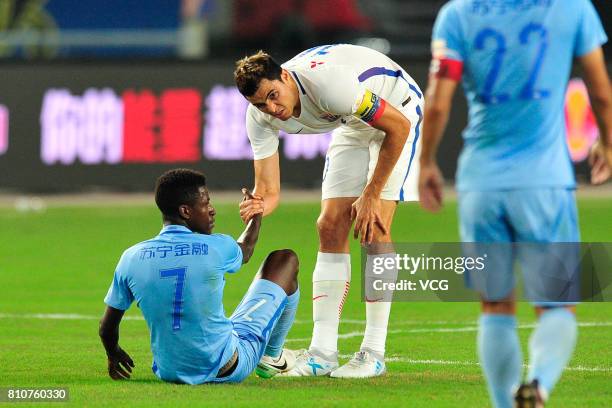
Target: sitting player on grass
x=177, y=279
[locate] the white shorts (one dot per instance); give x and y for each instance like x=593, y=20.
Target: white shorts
x=352, y=156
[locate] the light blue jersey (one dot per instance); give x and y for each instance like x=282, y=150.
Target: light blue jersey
x=177, y=280
x=516, y=57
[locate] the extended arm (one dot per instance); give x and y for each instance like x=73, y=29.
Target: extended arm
x=119, y=362
x=267, y=182
x=438, y=98
x=266, y=194
x=248, y=239
x=600, y=93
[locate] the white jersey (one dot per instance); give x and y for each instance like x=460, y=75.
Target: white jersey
x=338, y=85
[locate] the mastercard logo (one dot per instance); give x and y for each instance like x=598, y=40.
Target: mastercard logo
x=582, y=130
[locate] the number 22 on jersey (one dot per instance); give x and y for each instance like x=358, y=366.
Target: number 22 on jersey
x=487, y=37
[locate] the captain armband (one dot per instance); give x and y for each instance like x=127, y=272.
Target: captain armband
x=371, y=107
x=446, y=68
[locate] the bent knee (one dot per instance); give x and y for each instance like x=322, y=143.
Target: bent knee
x=325, y=225
x=332, y=228
x=285, y=256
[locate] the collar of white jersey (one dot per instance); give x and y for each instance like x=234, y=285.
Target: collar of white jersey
x=297, y=79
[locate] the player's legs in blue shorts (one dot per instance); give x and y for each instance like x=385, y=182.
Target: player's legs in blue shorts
x=534, y=216
x=265, y=314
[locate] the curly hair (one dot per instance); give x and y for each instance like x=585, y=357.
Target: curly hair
x=177, y=187
x=252, y=69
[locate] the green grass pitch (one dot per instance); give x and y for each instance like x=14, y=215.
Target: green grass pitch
x=61, y=262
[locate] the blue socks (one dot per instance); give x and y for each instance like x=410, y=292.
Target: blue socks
x=283, y=325
x=500, y=357
x=551, y=346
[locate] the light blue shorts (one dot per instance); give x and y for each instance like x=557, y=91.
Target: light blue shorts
x=537, y=220
x=253, y=320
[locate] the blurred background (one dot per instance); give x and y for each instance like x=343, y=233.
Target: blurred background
x=105, y=95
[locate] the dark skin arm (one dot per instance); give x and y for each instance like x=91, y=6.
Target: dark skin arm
x=120, y=364
x=248, y=239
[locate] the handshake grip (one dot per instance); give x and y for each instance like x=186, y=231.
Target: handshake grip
x=251, y=205
x=247, y=194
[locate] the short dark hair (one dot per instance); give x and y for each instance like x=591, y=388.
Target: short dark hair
x=177, y=187
x=252, y=69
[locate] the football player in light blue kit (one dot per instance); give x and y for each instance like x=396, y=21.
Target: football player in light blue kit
x=514, y=177
x=177, y=279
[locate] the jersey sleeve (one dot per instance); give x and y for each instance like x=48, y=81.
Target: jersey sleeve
x=344, y=94
x=590, y=33
x=262, y=136
x=447, y=37
x=230, y=253
x=338, y=90
x=447, y=48
x=119, y=295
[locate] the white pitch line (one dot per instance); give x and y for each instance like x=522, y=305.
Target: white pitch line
x=76, y=316
x=59, y=316
x=472, y=327
x=399, y=322
x=399, y=359
x=448, y=330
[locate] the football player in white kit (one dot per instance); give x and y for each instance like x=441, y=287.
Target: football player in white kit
x=374, y=109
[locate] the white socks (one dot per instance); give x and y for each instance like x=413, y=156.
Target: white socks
x=330, y=284
x=331, y=280
x=377, y=319
x=378, y=308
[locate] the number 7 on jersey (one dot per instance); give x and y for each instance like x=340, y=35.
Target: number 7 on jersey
x=179, y=273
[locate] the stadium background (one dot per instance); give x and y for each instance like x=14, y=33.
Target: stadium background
x=106, y=95
x=103, y=96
